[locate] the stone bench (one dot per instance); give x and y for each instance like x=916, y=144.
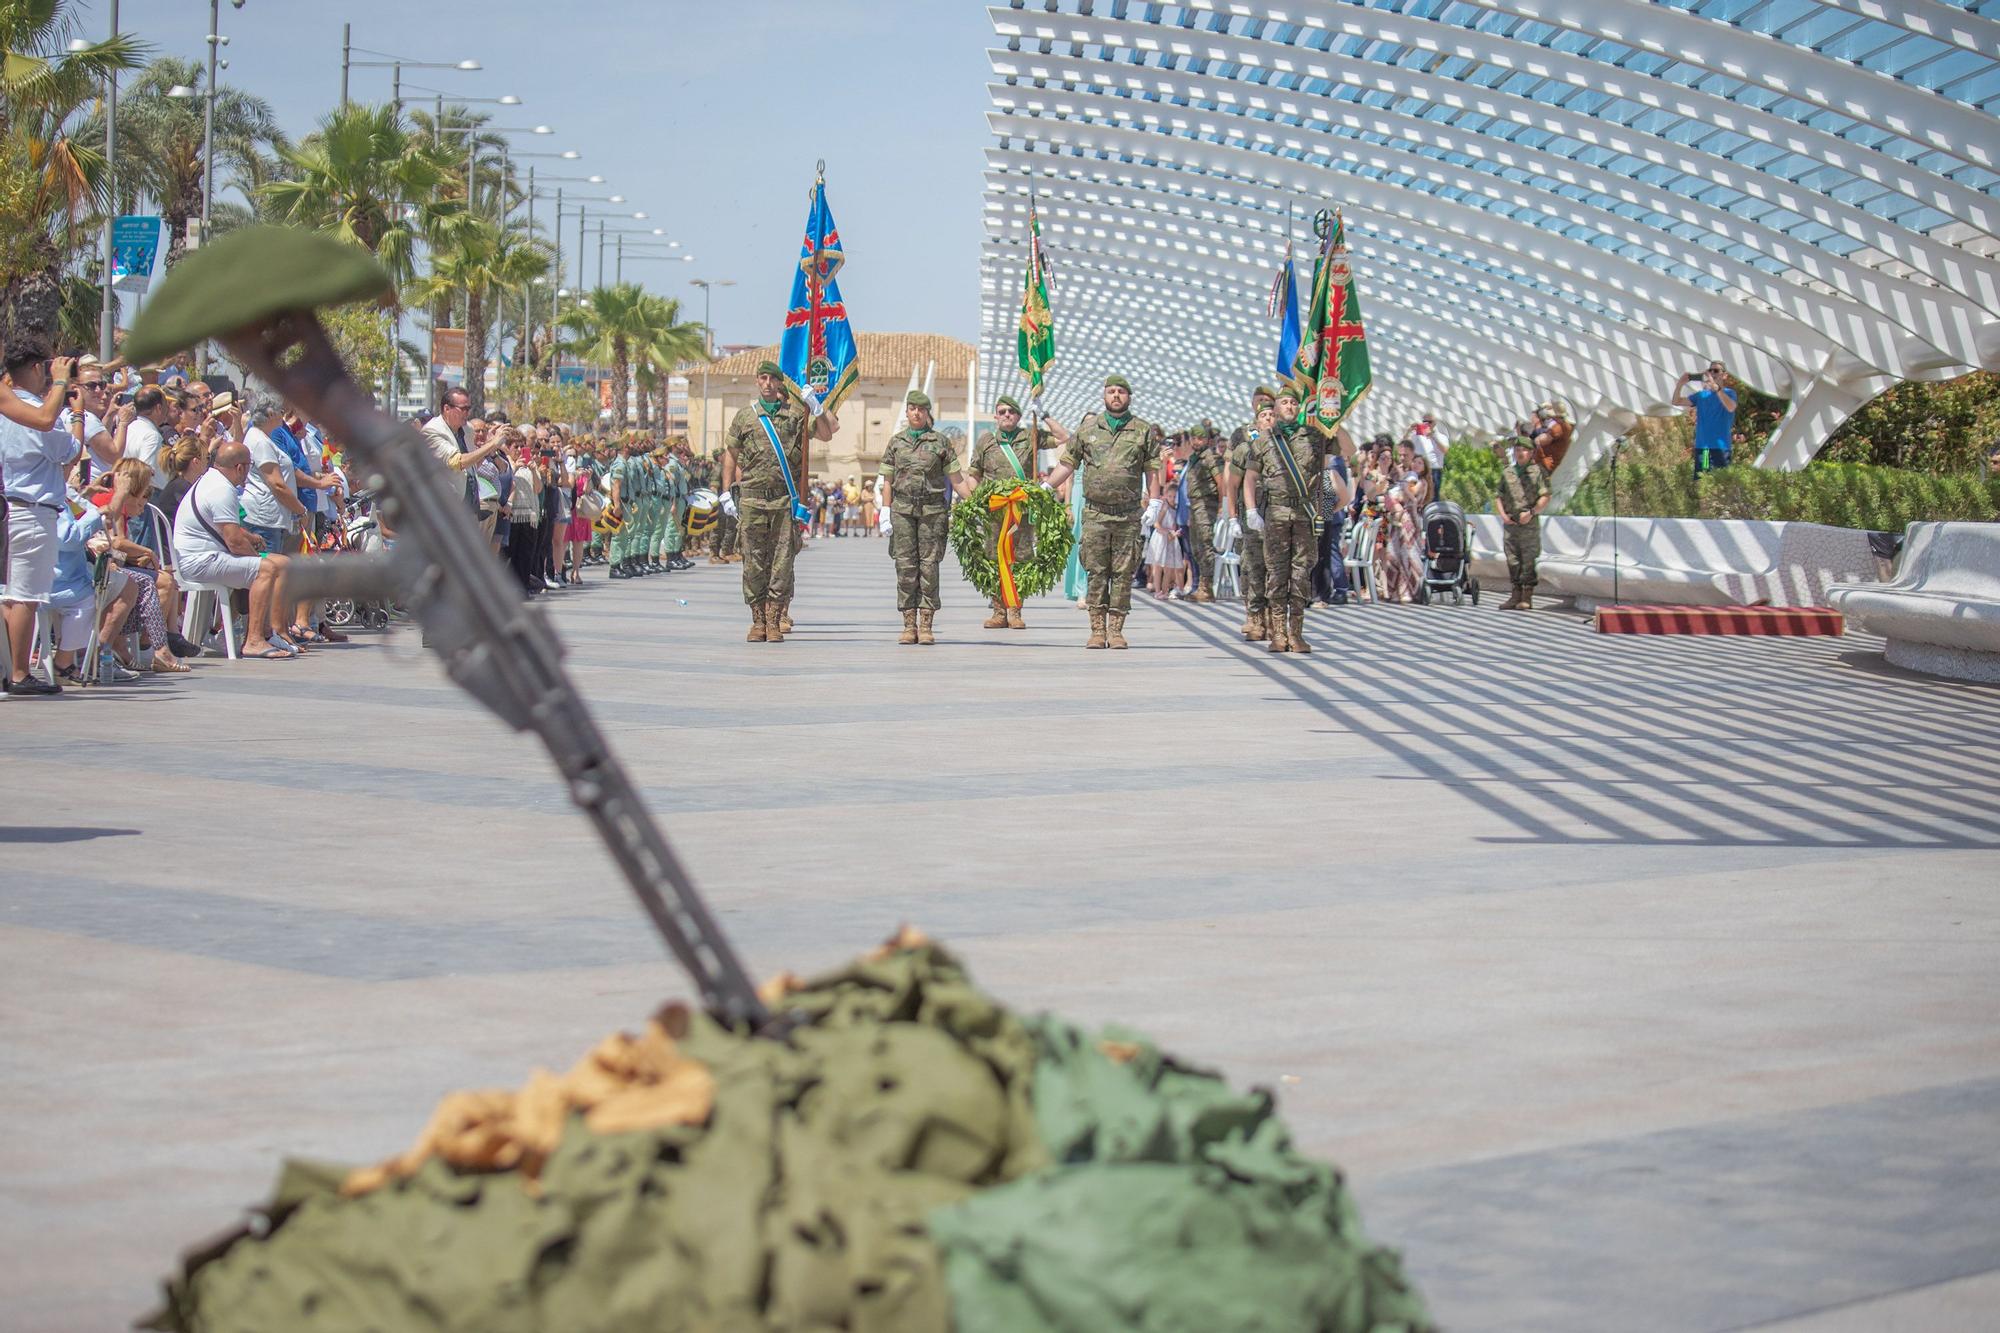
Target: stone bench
x=1687, y=561
x=1941, y=613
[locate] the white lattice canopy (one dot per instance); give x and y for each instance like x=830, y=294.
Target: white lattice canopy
x=1544, y=198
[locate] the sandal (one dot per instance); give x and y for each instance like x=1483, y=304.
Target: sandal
x=303, y=634
x=171, y=666
x=274, y=653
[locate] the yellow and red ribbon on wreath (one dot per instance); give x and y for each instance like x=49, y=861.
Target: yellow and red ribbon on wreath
x=1008, y=503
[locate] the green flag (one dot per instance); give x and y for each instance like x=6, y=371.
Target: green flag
x=1036, y=341
x=1331, y=373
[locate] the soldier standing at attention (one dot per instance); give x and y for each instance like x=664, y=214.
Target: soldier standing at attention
x=647, y=472
x=765, y=524
x=1524, y=494
x=920, y=474
x=1005, y=452
x=1120, y=457
x=1208, y=500
x=1287, y=467
x=624, y=499
x=677, y=493
x=1255, y=620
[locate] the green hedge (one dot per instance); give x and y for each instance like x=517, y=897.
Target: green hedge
x=1471, y=477
x=1845, y=495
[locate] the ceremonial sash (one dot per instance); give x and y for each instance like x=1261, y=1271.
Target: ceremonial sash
x=800, y=513
x=1009, y=505
x=1020, y=474
x=1297, y=478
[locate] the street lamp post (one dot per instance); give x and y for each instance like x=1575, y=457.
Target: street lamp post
x=387, y=61
x=638, y=253
x=108, y=315
x=708, y=287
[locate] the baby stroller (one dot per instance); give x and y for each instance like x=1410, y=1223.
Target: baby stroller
x=358, y=531
x=1447, y=555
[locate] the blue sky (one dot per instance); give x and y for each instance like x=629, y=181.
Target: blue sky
x=708, y=116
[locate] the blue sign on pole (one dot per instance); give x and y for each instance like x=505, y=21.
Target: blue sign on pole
x=135, y=248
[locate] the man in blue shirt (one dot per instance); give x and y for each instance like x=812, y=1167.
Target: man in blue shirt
x=1714, y=406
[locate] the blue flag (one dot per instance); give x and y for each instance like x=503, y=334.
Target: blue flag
x=817, y=351
x=1284, y=307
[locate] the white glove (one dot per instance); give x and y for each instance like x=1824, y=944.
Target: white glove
x=729, y=504
x=813, y=407
x=1253, y=520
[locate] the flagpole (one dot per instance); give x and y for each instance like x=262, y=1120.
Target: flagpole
x=812, y=290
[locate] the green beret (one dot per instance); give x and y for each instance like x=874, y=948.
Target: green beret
x=1118, y=382
x=769, y=368
x=1206, y=430
x=248, y=277
x=918, y=398
x=1290, y=392
x=1262, y=391
x=1005, y=401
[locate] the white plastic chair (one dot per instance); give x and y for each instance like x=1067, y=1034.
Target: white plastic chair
x=1228, y=561
x=202, y=605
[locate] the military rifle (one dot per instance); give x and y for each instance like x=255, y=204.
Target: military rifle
x=256, y=291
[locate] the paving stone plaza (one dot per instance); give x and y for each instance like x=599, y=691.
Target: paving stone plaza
x=1636, y=983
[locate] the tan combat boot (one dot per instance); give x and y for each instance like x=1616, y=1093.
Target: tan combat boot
x=1253, y=626
x=909, y=634
x=1281, y=641
x=785, y=615
x=773, y=627
x=1297, y=631
x=1096, y=630
x=998, y=620
x=1513, y=599
x=924, y=627
x=1202, y=594
x=1014, y=620
x=1527, y=597
x=756, y=634
x=1114, y=630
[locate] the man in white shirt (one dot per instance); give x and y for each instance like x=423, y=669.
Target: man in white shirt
x=145, y=439
x=271, y=505
x=445, y=434
x=213, y=547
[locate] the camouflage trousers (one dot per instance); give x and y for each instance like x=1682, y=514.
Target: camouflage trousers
x=1201, y=536
x=767, y=536
x=916, y=544
x=1108, y=550
x=1291, y=549
x=783, y=589
x=1523, y=542
x=725, y=537
x=1255, y=596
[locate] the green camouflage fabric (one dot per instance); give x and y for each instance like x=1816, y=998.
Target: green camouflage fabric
x=1252, y=571
x=768, y=539
x=1521, y=486
x=919, y=465
x=1277, y=497
x=1115, y=463
x=675, y=535
x=989, y=460
x=1108, y=549
x=911, y=1158
x=761, y=481
x=1206, y=466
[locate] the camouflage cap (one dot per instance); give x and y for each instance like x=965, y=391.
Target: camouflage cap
x=917, y=398
x=250, y=276
x=1291, y=392
x=1263, y=391
x=1005, y=401
x=1203, y=430
x=1118, y=382
x=769, y=368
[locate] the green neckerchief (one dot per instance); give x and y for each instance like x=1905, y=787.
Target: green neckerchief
x=770, y=408
x=1116, y=423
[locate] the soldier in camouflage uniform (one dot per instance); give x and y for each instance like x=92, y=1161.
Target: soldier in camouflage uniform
x=1120, y=457
x=764, y=507
x=622, y=478
x=646, y=486
x=919, y=476
x=677, y=493
x=1524, y=494
x=1289, y=518
x=1256, y=624
x=1208, y=501
x=1007, y=452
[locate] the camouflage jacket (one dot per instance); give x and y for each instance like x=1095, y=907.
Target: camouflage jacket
x=1115, y=463
x=1204, y=485
x=1521, y=485
x=1279, y=498
x=761, y=482
x=989, y=460
x=919, y=465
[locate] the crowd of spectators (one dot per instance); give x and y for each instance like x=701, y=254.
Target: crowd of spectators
x=844, y=508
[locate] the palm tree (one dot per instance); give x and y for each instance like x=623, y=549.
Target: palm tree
x=481, y=262
x=160, y=142
x=367, y=179
x=673, y=343
x=626, y=327
x=50, y=180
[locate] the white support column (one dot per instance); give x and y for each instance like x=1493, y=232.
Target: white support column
x=1815, y=415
